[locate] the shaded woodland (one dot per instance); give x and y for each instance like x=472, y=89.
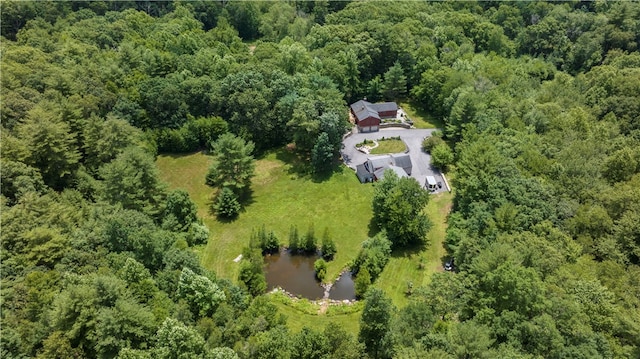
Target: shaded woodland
x=540, y=105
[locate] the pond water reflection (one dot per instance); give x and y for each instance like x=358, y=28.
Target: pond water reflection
x=296, y=275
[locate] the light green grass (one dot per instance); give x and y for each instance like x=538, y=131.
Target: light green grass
x=389, y=146
x=302, y=312
x=404, y=266
x=420, y=117
x=280, y=199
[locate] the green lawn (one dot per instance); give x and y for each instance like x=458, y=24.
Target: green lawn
x=280, y=199
x=303, y=313
x=417, y=266
x=420, y=117
x=389, y=146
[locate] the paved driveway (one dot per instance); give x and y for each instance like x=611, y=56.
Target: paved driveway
x=412, y=138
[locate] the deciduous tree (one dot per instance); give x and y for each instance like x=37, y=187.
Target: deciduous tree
x=375, y=325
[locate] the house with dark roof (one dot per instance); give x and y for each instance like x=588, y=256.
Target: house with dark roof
x=367, y=115
x=373, y=168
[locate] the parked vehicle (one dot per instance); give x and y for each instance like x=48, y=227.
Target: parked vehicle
x=430, y=183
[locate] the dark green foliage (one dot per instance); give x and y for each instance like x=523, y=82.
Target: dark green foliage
x=397, y=208
x=183, y=210
x=265, y=240
x=196, y=133
x=309, y=344
x=373, y=256
x=308, y=242
x=341, y=343
x=233, y=165
x=363, y=281
x=48, y=144
x=226, y=204
x=294, y=239
x=395, y=82
x=320, y=267
x=322, y=154
x=163, y=102
x=251, y=274
x=375, y=324
x=18, y=179
x=197, y=234
x=538, y=99
x=328, y=246
x=131, y=180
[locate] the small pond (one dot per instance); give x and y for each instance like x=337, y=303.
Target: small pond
x=296, y=275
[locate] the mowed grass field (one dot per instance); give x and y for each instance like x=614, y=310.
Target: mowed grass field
x=418, y=265
x=282, y=198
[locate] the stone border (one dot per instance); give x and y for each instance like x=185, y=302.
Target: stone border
x=389, y=125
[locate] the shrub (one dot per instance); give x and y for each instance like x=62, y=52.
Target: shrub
x=373, y=256
x=363, y=281
x=430, y=142
x=320, y=266
x=197, y=234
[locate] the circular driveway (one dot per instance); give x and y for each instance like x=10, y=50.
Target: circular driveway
x=420, y=160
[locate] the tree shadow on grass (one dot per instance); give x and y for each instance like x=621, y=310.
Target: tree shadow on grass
x=178, y=155
x=373, y=228
x=408, y=251
x=297, y=165
x=336, y=168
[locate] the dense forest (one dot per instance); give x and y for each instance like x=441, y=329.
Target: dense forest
x=539, y=101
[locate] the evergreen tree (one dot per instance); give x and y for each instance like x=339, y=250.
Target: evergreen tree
x=395, y=82
x=328, y=246
x=294, y=239
x=309, y=241
x=233, y=165
x=226, y=204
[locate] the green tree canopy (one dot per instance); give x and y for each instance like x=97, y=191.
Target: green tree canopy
x=233, y=165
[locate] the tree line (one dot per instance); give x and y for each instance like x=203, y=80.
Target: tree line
x=540, y=106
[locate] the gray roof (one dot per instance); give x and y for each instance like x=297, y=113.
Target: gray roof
x=363, y=109
x=385, y=106
x=378, y=162
x=402, y=160
x=362, y=173
x=398, y=171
